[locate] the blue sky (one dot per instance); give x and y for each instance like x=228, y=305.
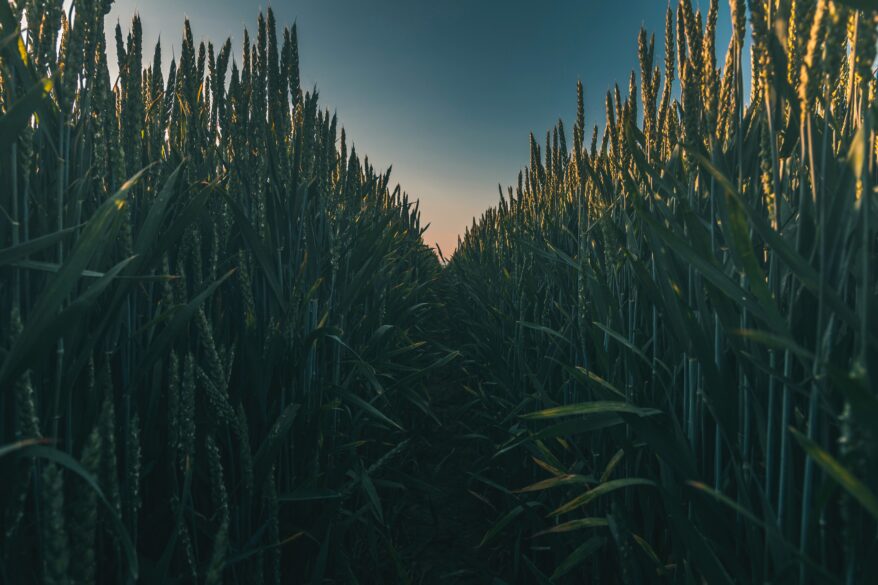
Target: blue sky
x=445, y=90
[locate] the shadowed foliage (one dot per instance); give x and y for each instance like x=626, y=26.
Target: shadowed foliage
x=216, y=315
x=227, y=356
x=670, y=330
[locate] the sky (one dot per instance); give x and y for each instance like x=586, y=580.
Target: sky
x=446, y=91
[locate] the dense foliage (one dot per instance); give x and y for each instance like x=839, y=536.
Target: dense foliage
x=227, y=356
x=214, y=316
x=670, y=331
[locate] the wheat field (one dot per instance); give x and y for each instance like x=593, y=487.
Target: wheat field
x=228, y=355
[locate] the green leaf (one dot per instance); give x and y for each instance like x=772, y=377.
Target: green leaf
x=14, y=254
x=574, y=525
x=309, y=495
x=624, y=342
x=771, y=530
x=567, y=428
x=608, y=471
x=18, y=116
x=560, y=480
x=588, y=374
x=179, y=222
x=589, y=408
x=647, y=548
x=542, y=329
x=93, y=292
x=369, y=409
x=734, y=225
x=712, y=273
x=664, y=436
x=258, y=249
x=322, y=556
x=267, y=451
x=853, y=486
x=98, y=233
x=580, y=555
x=162, y=342
x=603, y=489
x=372, y=494
x=776, y=342
x=148, y=236
x=19, y=445
x=802, y=269
x=52, y=267
x=541, y=578
x=498, y=527
x=698, y=550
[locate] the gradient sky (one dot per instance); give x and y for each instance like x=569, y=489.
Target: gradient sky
x=444, y=90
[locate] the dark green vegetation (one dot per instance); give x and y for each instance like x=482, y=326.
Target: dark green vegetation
x=672, y=331
x=228, y=357
x=211, y=310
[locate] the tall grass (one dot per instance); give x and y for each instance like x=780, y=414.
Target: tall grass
x=214, y=314
x=220, y=326
x=670, y=330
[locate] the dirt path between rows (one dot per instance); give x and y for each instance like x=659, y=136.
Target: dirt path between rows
x=440, y=527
